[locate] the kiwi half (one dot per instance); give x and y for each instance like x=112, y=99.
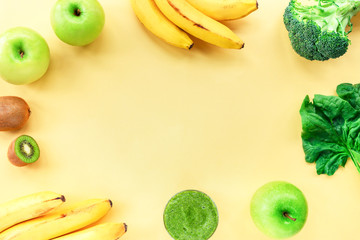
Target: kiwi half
x=23, y=151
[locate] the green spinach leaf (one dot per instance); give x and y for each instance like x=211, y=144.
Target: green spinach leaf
x=331, y=129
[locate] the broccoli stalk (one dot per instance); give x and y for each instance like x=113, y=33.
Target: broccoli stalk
x=318, y=29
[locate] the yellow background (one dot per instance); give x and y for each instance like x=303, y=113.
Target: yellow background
x=135, y=120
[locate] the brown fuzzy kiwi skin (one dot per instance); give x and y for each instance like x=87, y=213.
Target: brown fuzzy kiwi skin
x=14, y=113
x=13, y=158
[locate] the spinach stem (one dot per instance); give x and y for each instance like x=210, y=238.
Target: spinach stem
x=355, y=157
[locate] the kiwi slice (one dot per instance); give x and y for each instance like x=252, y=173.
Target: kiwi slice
x=23, y=150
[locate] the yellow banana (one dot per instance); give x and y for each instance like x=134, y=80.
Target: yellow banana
x=60, y=222
x=28, y=207
x=149, y=14
x=225, y=9
x=191, y=20
x=105, y=231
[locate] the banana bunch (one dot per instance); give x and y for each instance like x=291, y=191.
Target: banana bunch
x=173, y=20
x=40, y=216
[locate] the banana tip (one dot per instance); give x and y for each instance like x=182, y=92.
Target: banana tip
x=126, y=227
x=62, y=198
x=111, y=203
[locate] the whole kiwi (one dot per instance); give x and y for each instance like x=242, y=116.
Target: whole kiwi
x=14, y=113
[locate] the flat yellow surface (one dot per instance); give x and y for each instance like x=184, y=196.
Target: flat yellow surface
x=135, y=120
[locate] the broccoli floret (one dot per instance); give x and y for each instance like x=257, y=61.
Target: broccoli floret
x=318, y=29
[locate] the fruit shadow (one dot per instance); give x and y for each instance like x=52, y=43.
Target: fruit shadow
x=44, y=161
x=111, y=216
x=241, y=27
x=65, y=58
x=58, y=63
x=356, y=23
x=355, y=33
x=96, y=47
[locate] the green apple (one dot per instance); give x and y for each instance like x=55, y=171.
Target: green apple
x=77, y=22
x=279, y=209
x=24, y=56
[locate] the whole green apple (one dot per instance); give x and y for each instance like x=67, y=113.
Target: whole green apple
x=77, y=22
x=24, y=56
x=279, y=209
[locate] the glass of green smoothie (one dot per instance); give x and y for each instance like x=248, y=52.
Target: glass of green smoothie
x=191, y=215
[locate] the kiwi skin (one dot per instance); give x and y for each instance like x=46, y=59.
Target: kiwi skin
x=14, y=113
x=13, y=158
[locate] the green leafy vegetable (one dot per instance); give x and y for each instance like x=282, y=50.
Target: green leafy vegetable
x=331, y=129
x=318, y=29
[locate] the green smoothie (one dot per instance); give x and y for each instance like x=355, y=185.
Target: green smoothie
x=191, y=215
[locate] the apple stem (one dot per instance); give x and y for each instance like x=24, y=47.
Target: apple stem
x=22, y=54
x=77, y=12
x=286, y=214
